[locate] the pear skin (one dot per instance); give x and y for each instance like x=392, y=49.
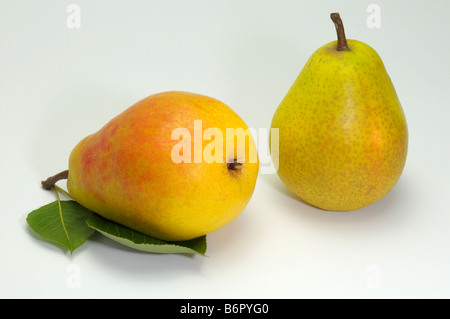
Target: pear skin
x=343, y=135
x=126, y=171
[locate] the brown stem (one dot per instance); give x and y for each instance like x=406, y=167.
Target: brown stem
x=48, y=184
x=342, y=41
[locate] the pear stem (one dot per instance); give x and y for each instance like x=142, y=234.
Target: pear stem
x=49, y=182
x=342, y=41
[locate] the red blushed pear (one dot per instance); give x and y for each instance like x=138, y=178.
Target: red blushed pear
x=126, y=172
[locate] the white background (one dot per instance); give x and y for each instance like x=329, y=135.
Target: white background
x=58, y=85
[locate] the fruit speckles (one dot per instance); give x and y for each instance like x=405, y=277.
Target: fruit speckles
x=87, y=158
x=343, y=134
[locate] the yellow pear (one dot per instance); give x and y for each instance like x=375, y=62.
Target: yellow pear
x=343, y=135
x=164, y=168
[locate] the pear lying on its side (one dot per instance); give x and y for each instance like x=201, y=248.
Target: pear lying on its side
x=342, y=132
x=135, y=172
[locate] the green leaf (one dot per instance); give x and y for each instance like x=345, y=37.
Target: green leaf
x=143, y=242
x=63, y=222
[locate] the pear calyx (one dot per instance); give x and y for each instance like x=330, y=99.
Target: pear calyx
x=234, y=166
x=342, y=41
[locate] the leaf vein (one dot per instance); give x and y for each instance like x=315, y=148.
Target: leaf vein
x=62, y=220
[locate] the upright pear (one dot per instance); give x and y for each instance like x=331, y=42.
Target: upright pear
x=343, y=135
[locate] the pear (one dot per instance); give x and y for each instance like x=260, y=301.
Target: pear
x=163, y=167
x=343, y=135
